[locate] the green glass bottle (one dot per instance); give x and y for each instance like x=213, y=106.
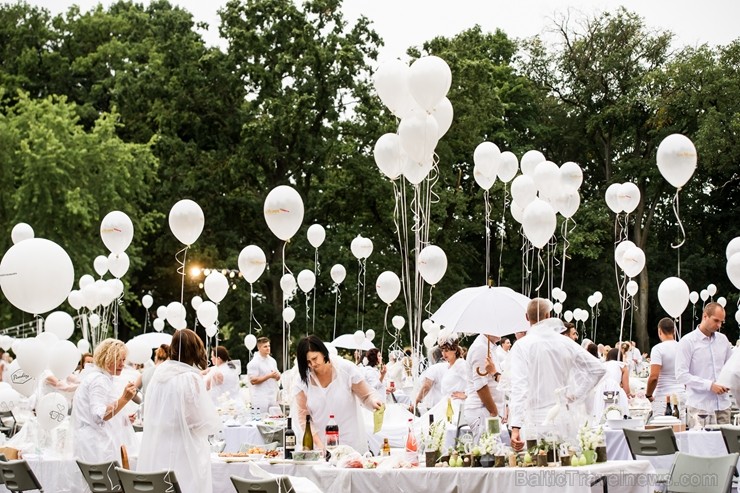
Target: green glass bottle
x=308, y=435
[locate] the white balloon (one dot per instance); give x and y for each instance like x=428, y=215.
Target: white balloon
x=9, y=397
x=432, y=264
x=370, y=334
x=628, y=196
x=83, y=346
x=584, y=315
x=207, y=313
x=484, y=177
x=733, y=270
x=523, y=190
x=591, y=301
x=547, y=178
x=568, y=204
x=211, y=330
x=361, y=247
x=316, y=235
x=598, y=296
x=568, y=315
x=100, y=265
x=673, y=294
x=517, y=211
x=283, y=211
x=162, y=312
x=508, y=166
x=737, y=316
x=20, y=232
x=358, y=337
x=138, y=351
x=398, y=322
x=539, y=222
x=571, y=176
x=186, y=221
x=34, y=357
x=488, y=156
x=288, y=284
x=733, y=247
x=75, y=299
x=712, y=289
x=557, y=308
x=722, y=301
x=47, y=339
x=633, y=261
x=118, y=264
x=632, y=288
x=443, y=113
x=389, y=155
x=288, y=314
x=116, y=231
x=556, y=292
x=94, y=320
x=562, y=296
x=306, y=280
x=158, y=324
x=704, y=294
x=252, y=263
x=620, y=250
x=388, y=286
x=36, y=275
x=175, y=312
x=418, y=134
x=612, y=197
x=51, y=410
x=416, y=172
x=147, y=301
x=250, y=341
x=196, y=302
x=86, y=281
x=530, y=160
x=216, y=286
x=20, y=379
x=63, y=359
x=338, y=273
x=391, y=84
x=430, y=340
x=60, y=324
x=429, y=79
x=676, y=159
x=693, y=297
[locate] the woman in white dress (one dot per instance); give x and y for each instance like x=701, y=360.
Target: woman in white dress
x=615, y=379
x=375, y=371
x=99, y=427
x=455, y=379
x=222, y=379
x=331, y=385
x=179, y=416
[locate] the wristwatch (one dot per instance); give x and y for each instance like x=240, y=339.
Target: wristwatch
x=496, y=376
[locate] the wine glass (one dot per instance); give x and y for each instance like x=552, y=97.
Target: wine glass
x=702, y=415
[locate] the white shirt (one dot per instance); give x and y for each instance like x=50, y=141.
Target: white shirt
x=699, y=360
x=178, y=418
x=455, y=378
x=372, y=376
x=229, y=386
x=664, y=354
x=476, y=359
x=434, y=373
x=542, y=362
x=263, y=394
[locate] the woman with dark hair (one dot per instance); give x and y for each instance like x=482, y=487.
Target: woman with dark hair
x=179, y=416
x=375, y=371
x=161, y=354
x=222, y=379
x=331, y=385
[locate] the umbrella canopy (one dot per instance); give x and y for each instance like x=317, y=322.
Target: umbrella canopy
x=348, y=341
x=154, y=339
x=495, y=311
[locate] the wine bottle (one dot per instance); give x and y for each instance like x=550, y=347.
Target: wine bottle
x=332, y=433
x=411, y=445
x=450, y=410
x=289, y=440
x=386, y=450
x=308, y=435
x=668, y=409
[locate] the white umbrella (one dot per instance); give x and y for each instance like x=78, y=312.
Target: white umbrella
x=154, y=339
x=348, y=341
x=488, y=310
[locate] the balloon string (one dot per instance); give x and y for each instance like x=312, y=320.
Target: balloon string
x=385, y=327
x=680, y=227
x=308, y=312
x=428, y=306
x=316, y=272
x=503, y=235
x=399, y=212
x=336, y=302
x=566, y=244
x=359, y=290
x=487, y=222
x=540, y=263
x=285, y=326
x=146, y=320
x=364, y=281
x=251, y=306
x=181, y=270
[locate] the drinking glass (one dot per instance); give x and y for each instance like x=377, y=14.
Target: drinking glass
x=701, y=414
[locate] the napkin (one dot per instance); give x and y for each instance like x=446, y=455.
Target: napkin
x=378, y=419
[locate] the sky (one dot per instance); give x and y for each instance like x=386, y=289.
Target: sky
x=404, y=23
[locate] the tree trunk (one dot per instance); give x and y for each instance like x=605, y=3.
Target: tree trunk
x=642, y=338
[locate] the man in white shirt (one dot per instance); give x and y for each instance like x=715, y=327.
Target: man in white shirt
x=662, y=384
x=484, y=398
x=264, y=377
x=546, y=370
x=701, y=355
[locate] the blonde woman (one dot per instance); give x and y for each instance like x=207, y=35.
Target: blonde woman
x=99, y=426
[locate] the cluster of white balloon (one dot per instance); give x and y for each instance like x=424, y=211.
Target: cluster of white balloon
x=733, y=267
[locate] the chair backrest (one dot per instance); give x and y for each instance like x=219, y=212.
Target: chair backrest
x=280, y=484
x=660, y=441
x=17, y=476
x=696, y=474
x=150, y=482
x=8, y=423
x=101, y=478
x=731, y=436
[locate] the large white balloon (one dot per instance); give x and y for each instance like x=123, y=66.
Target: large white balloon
x=86, y=280
x=370, y=334
x=568, y=315
x=568, y=203
x=75, y=299
x=693, y=297
x=388, y=155
x=432, y=264
x=704, y=295
x=483, y=176
x=361, y=247
x=632, y=288
x=443, y=113
x=517, y=211
x=60, y=324
x=36, y=275
x=147, y=301
x=712, y=289
x=733, y=247
x=211, y=330
x=673, y=294
x=116, y=231
x=34, y=357
x=21, y=380
x=216, y=286
x=508, y=166
x=358, y=337
x=722, y=301
x=398, y=322
x=250, y=341
x=418, y=134
x=283, y=211
x=633, y=262
x=288, y=284
x=547, y=178
x=676, y=159
x=612, y=197
x=162, y=312
x=118, y=264
x=196, y=302
x=84, y=346
x=416, y=171
x=391, y=84
x=20, y=232
x=100, y=265
x=539, y=222
x=51, y=410
x=207, y=313
x=338, y=273
x=628, y=196
x=63, y=359
x=288, y=314
x=487, y=157
x=252, y=263
x=523, y=190
x=388, y=286
x=138, y=351
x=620, y=250
x=429, y=79
x=186, y=221
x=175, y=312
x=530, y=160
x=158, y=324
x=316, y=235
x=571, y=176
x=306, y=280
x=9, y=397
x=733, y=270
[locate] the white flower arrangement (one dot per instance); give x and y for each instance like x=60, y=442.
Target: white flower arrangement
x=435, y=437
x=490, y=443
x=589, y=438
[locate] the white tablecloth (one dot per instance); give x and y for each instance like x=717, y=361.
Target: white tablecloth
x=235, y=436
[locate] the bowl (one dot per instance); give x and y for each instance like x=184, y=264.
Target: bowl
x=308, y=455
x=256, y=456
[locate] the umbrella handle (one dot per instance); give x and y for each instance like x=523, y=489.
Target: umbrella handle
x=483, y=374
